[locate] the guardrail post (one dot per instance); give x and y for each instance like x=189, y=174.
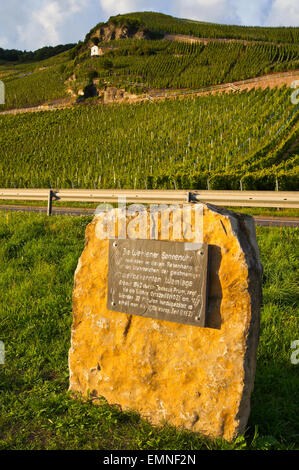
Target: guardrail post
x=50, y=201
x=277, y=189
x=189, y=196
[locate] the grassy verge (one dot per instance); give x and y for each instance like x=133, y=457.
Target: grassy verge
x=38, y=256
x=76, y=204
x=258, y=211
x=266, y=211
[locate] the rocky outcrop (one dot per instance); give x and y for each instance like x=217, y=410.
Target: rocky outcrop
x=116, y=95
x=111, y=32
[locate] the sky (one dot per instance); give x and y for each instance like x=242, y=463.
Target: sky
x=31, y=24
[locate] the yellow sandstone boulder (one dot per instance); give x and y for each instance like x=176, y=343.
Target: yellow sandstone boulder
x=197, y=378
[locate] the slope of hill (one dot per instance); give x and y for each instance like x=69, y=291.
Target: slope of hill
x=205, y=142
x=172, y=64
x=140, y=65
x=160, y=24
x=227, y=141
x=33, y=83
x=131, y=59
x=16, y=56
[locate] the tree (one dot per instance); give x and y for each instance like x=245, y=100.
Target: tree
x=95, y=40
x=107, y=64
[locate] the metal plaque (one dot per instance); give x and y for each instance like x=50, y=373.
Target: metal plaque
x=162, y=280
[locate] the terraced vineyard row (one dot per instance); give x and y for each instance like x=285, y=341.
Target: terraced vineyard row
x=161, y=23
x=209, y=141
x=165, y=64
x=153, y=64
x=34, y=83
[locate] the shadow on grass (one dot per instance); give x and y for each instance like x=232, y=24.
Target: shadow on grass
x=274, y=403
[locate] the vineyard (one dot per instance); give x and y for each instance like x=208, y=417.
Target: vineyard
x=140, y=65
x=35, y=88
x=34, y=83
x=160, y=24
x=165, y=64
x=247, y=139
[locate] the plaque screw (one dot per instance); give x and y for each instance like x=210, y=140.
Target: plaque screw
x=201, y=252
x=197, y=318
x=113, y=303
x=115, y=244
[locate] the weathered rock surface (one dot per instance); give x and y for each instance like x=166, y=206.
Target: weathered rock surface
x=112, y=94
x=198, y=378
x=111, y=32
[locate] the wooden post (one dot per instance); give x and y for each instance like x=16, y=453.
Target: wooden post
x=50, y=200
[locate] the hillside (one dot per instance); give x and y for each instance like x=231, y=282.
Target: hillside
x=239, y=138
x=166, y=104
x=136, y=58
x=216, y=142
x=15, y=56
x=159, y=24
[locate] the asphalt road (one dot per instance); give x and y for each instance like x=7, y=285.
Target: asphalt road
x=265, y=221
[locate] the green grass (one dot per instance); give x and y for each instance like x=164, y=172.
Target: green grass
x=38, y=256
x=86, y=205
x=258, y=211
x=265, y=211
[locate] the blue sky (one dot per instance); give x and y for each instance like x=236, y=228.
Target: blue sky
x=31, y=24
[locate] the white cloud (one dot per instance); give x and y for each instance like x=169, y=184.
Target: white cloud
x=76, y=5
x=52, y=16
x=113, y=7
x=30, y=24
x=284, y=13
x=202, y=10
x=36, y=23
x=4, y=43
x=252, y=12
x=243, y=12
x=49, y=18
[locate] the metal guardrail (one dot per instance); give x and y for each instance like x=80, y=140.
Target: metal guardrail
x=277, y=199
